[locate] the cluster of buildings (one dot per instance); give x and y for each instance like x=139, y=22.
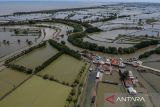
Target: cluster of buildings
x=105, y=66
x=129, y=80
x=133, y=61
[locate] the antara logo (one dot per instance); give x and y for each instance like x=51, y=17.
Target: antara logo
x=112, y=99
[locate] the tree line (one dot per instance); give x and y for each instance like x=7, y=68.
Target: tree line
x=76, y=88
x=149, y=53
x=77, y=40
x=46, y=63
x=61, y=47
x=112, y=17
x=25, y=52
x=77, y=25
x=20, y=68
x=65, y=49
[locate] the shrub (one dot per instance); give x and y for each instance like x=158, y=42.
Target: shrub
x=45, y=76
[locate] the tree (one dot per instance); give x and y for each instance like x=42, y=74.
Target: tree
x=75, y=101
x=63, y=42
x=69, y=99
x=29, y=71
x=120, y=50
x=18, y=41
x=16, y=31
x=45, y=76
x=51, y=78
x=73, y=92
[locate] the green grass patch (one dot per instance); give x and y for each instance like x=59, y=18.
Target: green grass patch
x=105, y=88
x=37, y=92
x=9, y=79
x=65, y=68
x=36, y=57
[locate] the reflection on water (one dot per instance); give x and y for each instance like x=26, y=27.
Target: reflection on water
x=6, y=34
x=152, y=61
x=13, y=44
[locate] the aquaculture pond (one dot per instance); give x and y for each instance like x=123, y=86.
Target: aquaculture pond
x=36, y=57
x=37, y=92
x=65, y=66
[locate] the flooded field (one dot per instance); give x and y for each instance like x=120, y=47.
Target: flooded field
x=65, y=66
x=126, y=56
x=147, y=32
x=107, y=44
x=36, y=57
x=6, y=34
x=58, y=26
x=13, y=44
x=145, y=79
x=152, y=61
x=37, y=92
x=9, y=79
x=111, y=34
x=120, y=25
x=153, y=80
x=26, y=17
x=152, y=64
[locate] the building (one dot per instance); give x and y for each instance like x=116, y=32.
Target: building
x=128, y=83
x=132, y=91
x=130, y=74
x=98, y=75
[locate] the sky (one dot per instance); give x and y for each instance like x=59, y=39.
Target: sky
x=93, y=0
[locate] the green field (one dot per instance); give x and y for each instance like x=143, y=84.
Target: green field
x=9, y=79
x=65, y=68
x=37, y=92
x=36, y=57
x=105, y=89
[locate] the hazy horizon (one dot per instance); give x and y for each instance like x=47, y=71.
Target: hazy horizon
x=152, y=1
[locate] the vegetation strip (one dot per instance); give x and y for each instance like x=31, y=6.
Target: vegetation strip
x=149, y=53
x=77, y=88
x=65, y=49
x=25, y=52
x=15, y=88
x=46, y=63
x=20, y=67
x=76, y=39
